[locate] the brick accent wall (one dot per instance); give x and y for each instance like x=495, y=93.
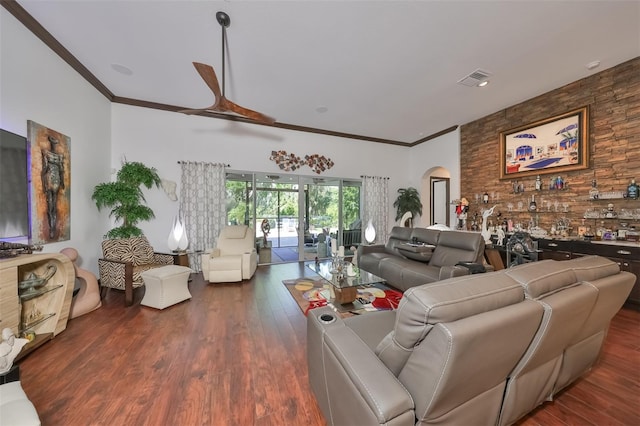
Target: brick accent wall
x=613, y=97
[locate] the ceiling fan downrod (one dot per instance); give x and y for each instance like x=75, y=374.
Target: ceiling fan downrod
x=224, y=21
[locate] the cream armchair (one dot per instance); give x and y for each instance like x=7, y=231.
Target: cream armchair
x=234, y=258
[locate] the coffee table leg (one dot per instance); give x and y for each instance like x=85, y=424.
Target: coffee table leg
x=345, y=295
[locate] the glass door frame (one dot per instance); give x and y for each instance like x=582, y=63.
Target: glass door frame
x=302, y=182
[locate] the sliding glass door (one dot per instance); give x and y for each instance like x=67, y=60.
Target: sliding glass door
x=302, y=213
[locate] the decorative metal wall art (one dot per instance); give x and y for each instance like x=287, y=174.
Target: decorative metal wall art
x=318, y=163
x=286, y=162
x=290, y=162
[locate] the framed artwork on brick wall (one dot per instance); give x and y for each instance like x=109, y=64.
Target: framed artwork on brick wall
x=553, y=145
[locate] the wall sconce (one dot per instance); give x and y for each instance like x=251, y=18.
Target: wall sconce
x=178, y=241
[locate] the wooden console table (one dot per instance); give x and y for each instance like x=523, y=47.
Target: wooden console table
x=44, y=311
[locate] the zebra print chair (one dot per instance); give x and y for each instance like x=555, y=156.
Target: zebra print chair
x=123, y=262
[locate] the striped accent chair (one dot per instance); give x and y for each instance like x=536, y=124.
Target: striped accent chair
x=123, y=262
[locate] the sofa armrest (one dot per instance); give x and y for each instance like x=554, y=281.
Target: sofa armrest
x=364, y=249
x=352, y=385
x=249, y=263
x=452, y=271
x=115, y=273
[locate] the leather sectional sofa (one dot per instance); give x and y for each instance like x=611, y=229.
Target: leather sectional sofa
x=403, y=268
x=482, y=349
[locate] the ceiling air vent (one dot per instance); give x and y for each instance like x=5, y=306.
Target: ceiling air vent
x=475, y=78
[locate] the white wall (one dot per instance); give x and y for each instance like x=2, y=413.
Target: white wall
x=159, y=139
x=444, y=152
x=35, y=84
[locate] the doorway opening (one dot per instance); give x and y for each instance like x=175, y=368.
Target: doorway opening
x=303, y=213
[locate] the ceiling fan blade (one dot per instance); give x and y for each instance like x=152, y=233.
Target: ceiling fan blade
x=193, y=111
x=209, y=76
x=196, y=111
x=227, y=105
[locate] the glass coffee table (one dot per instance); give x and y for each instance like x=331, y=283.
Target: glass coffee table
x=346, y=289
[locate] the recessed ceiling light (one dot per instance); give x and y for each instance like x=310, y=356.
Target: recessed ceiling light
x=483, y=83
x=593, y=65
x=121, y=69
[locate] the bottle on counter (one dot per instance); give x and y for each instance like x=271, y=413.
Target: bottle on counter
x=622, y=231
x=582, y=230
x=532, y=205
x=588, y=234
x=632, y=190
x=600, y=231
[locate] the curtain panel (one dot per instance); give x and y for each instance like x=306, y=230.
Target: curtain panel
x=202, y=204
x=376, y=205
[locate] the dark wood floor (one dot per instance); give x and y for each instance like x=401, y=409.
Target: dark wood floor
x=235, y=355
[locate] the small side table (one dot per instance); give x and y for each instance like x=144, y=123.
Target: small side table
x=181, y=259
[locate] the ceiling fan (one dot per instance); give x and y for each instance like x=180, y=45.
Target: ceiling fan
x=222, y=104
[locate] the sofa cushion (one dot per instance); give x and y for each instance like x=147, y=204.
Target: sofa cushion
x=446, y=301
x=591, y=268
x=136, y=250
x=556, y=276
x=419, y=275
x=371, y=261
x=399, y=235
x=454, y=247
x=405, y=273
x=234, y=232
x=424, y=235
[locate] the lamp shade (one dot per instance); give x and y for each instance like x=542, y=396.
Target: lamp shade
x=178, y=240
x=370, y=233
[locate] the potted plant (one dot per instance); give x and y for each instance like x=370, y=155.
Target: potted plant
x=125, y=198
x=408, y=201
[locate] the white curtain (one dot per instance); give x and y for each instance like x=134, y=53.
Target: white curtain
x=202, y=203
x=376, y=205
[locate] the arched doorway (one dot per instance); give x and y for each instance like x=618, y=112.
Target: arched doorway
x=436, y=189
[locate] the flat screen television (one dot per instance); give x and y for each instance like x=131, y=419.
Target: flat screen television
x=14, y=187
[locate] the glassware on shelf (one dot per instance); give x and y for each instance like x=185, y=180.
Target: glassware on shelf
x=625, y=214
x=610, y=195
x=592, y=214
x=594, y=194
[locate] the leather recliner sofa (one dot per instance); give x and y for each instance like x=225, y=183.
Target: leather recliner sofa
x=477, y=349
x=391, y=262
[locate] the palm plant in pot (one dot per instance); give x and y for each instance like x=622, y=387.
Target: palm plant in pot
x=408, y=201
x=125, y=198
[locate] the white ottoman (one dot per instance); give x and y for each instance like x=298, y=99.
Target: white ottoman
x=165, y=286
